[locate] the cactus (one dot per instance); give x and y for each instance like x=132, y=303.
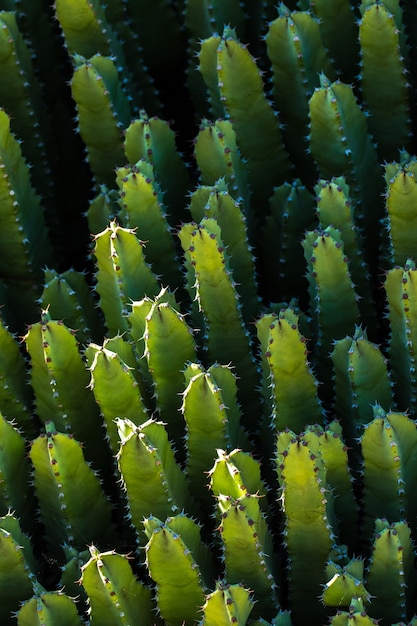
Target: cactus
x=207, y=411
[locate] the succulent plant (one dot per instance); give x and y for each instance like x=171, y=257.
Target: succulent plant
x=207, y=284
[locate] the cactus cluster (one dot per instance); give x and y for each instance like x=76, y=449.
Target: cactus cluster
x=208, y=288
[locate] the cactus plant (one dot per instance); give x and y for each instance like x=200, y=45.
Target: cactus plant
x=208, y=410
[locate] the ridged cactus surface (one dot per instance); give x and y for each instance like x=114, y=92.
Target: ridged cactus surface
x=208, y=219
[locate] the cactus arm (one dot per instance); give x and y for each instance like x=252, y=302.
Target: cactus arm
x=389, y=572
x=16, y=579
x=386, y=99
x=172, y=565
x=238, y=474
x=16, y=396
x=335, y=457
x=332, y=292
x=153, y=481
x=335, y=208
x=169, y=346
x=23, y=236
x=73, y=507
x=257, y=128
x=152, y=139
x=84, y=25
x=52, y=608
x=338, y=23
x=345, y=583
x=292, y=212
x=243, y=530
x=341, y=146
x=143, y=211
x=217, y=427
x=67, y=297
x=308, y=534
x=355, y=615
x=15, y=475
x=234, y=233
x=116, y=597
x=218, y=156
x=102, y=209
x=207, y=67
x=401, y=207
x=400, y=287
x=108, y=374
x=361, y=379
x=388, y=446
x=103, y=110
x=296, y=51
x=292, y=383
x=20, y=95
x=122, y=274
x=228, y=604
x=227, y=338
x=60, y=382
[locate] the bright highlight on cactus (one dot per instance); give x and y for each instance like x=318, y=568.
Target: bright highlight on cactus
x=208, y=408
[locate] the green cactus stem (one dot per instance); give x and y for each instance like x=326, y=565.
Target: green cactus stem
x=400, y=287
x=103, y=111
x=333, y=300
x=390, y=571
x=229, y=214
x=257, y=127
x=295, y=49
x=73, y=507
x=24, y=238
x=340, y=33
x=291, y=383
x=48, y=608
x=109, y=373
x=228, y=604
x=218, y=157
x=16, y=396
x=308, y=534
x=355, y=616
x=152, y=139
x=227, y=338
x=67, y=297
x=21, y=97
x=345, y=583
x=16, y=577
x=217, y=427
x=341, y=146
x=401, y=208
x=142, y=209
x=335, y=208
x=123, y=275
x=154, y=483
x=116, y=597
x=361, y=379
x=292, y=212
x=15, y=475
x=177, y=561
x=60, y=382
x=388, y=446
x=387, y=99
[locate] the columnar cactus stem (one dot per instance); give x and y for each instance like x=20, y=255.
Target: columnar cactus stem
x=116, y=597
x=177, y=562
x=390, y=571
x=103, y=111
x=74, y=509
x=387, y=99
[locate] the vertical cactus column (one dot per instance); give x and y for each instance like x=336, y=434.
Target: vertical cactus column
x=387, y=98
x=308, y=534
